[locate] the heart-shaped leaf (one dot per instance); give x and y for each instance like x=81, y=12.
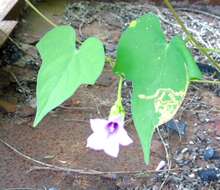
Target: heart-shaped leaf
x=160, y=75
x=65, y=68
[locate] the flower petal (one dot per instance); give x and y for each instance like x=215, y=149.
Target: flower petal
x=98, y=125
x=123, y=137
x=96, y=142
x=112, y=146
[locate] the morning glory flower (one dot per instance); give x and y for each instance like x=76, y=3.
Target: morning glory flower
x=108, y=135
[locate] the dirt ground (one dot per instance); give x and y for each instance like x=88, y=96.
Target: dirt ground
x=26, y=154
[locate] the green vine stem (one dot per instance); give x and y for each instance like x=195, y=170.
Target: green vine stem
x=117, y=108
x=39, y=13
x=206, y=81
x=214, y=50
x=118, y=102
x=189, y=35
x=119, y=88
x=44, y=17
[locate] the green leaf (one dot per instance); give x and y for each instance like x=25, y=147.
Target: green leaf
x=160, y=75
x=65, y=68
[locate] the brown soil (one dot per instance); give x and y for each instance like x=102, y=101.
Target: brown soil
x=60, y=139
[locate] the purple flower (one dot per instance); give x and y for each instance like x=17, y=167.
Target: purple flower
x=108, y=135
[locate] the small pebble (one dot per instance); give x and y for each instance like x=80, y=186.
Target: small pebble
x=191, y=142
x=53, y=188
x=203, y=118
x=209, y=153
x=155, y=187
x=192, y=175
x=208, y=175
x=184, y=150
x=176, y=126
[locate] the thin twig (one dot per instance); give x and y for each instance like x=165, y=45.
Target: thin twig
x=136, y=173
x=197, y=11
x=46, y=166
x=50, y=165
x=21, y=188
x=76, y=120
x=18, y=82
x=12, y=40
x=167, y=158
x=17, y=44
x=77, y=108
